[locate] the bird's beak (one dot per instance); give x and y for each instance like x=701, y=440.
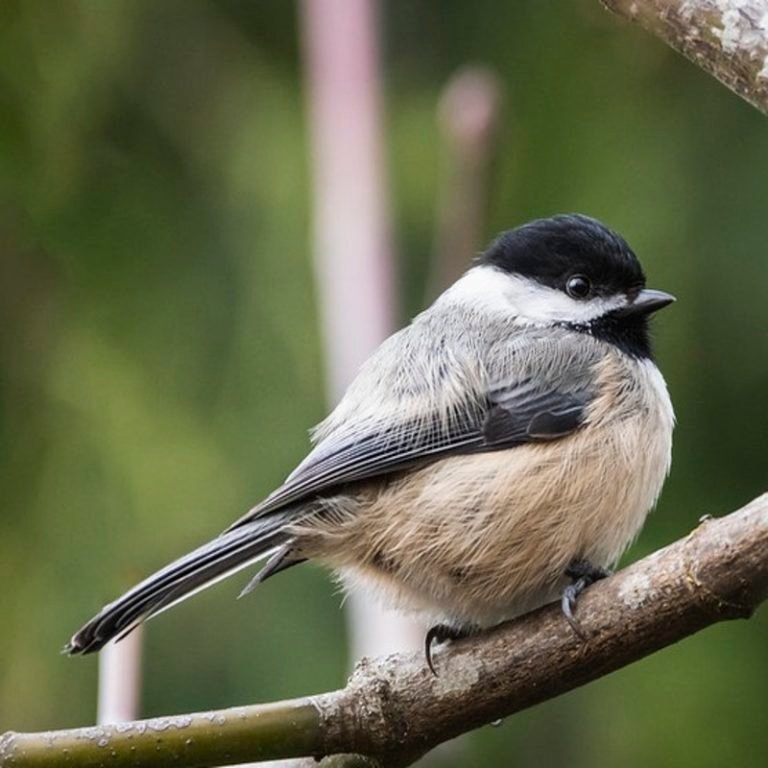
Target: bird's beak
x=646, y=302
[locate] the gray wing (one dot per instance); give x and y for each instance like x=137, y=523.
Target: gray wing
x=528, y=406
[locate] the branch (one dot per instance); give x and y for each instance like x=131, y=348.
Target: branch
x=394, y=710
x=727, y=38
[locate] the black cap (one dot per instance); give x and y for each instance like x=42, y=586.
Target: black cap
x=554, y=249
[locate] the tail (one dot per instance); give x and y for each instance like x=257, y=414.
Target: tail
x=201, y=568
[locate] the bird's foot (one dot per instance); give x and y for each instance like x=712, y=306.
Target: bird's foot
x=439, y=634
x=583, y=574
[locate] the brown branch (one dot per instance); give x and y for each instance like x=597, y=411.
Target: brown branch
x=727, y=38
x=394, y=710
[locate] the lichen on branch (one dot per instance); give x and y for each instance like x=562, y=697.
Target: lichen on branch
x=727, y=38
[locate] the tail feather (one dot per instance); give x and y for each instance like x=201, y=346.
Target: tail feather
x=197, y=570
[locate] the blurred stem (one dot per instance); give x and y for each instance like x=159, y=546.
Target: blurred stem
x=394, y=710
x=727, y=38
x=120, y=679
x=468, y=118
x=352, y=233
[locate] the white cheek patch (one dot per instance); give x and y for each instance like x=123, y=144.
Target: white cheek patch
x=537, y=304
x=525, y=300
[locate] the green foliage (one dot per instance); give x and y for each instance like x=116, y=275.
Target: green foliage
x=159, y=351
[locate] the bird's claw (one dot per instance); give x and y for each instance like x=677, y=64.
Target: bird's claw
x=439, y=634
x=584, y=574
x=568, y=603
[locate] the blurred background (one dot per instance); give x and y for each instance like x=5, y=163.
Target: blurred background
x=162, y=357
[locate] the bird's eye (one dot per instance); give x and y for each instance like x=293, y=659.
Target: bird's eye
x=578, y=287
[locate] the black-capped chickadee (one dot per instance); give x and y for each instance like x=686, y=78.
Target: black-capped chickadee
x=499, y=452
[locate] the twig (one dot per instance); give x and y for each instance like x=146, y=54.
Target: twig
x=727, y=38
x=469, y=115
x=393, y=710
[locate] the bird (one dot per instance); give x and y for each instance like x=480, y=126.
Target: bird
x=498, y=453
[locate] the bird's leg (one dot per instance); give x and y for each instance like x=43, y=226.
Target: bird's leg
x=582, y=574
x=442, y=632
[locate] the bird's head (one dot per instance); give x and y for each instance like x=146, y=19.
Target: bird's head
x=567, y=271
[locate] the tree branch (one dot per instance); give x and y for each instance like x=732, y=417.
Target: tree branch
x=393, y=710
x=727, y=38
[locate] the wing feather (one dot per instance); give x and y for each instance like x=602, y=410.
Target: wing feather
x=514, y=411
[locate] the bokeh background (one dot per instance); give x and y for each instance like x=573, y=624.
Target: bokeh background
x=161, y=360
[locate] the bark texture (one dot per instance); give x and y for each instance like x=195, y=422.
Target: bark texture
x=727, y=38
x=393, y=709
